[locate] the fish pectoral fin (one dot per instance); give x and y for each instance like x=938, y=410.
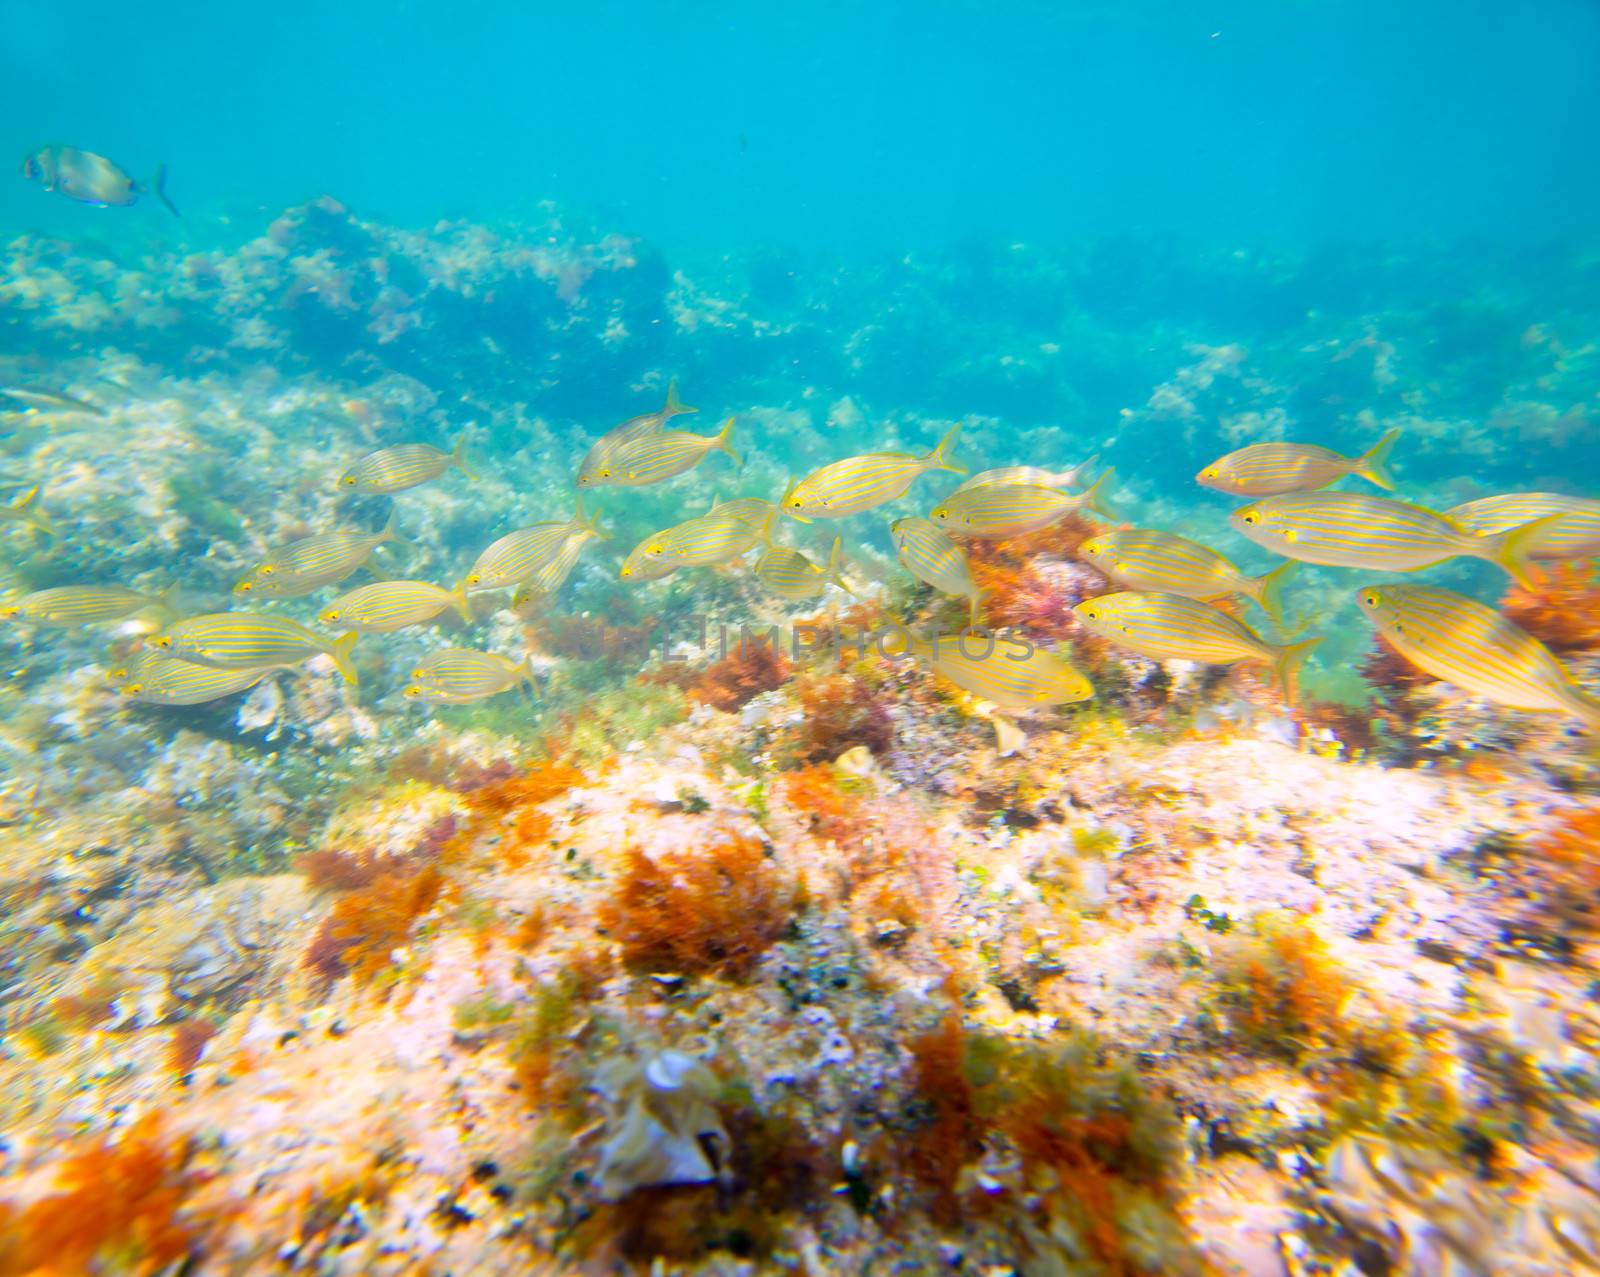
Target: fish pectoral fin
x=1008, y=737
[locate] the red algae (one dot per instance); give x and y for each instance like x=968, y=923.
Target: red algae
x=366, y=926
x=118, y=1207
x=717, y=907
x=747, y=671
x=952, y=1135
x=841, y=711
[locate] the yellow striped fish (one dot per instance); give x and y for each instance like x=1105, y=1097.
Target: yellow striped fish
x=1170, y=627
x=1270, y=469
x=860, y=483
x=709, y=538
x=458, y=675
x=549, y=579
x=1012, y=676
x=84, y=605
x=934, y=559
x=26, y=509
x=1032, y=476
x=305, y=566
x=1355, y=530
x=791, y=575
x=250, y=640
x=1571, y=528
x=605, y=447
x=655, y=457
x=639, y=566
x=403, y=466
x=1141, y=559
x=156, y=679
x=1472, y=646
x=386, y=606
x=1015, y=509
x=518, y=555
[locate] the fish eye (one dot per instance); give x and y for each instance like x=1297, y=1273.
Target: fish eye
x=266, y=569
x=132, y=689
x=1372, y=600
x=411, y=693
x=330, y=615
x=1211, y=472
x=161, y=641
x=1251, y=517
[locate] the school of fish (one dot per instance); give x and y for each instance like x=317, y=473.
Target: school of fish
x=1170, y=603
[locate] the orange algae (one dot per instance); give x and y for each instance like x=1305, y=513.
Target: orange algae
x=1561, y=609
x=189, y=1038
x=717, y=907
x=366, y=926
x=1569, y=866
x=1290, y=992
x=831, y=814
x=952, y=1136
x=118, y=1208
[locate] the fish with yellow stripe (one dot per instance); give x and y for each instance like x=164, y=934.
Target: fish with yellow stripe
x=1145, y=559
x=405, y=465
x=85, y=605
x=861, y=483
x=1461, y=641
x=459, y=675
x=549, y=579
x=1010, y=510
x=1172, y=627
x=1013, y=675
x=1571, y=528
x=726, y=532
x=653, y=458
x=1271, y=469
x=251, y=640
x=934, y=559
x=386, y=606
x=26, y=510
x=1357, y=530
x=1031, y=476
x=306, y=565
x=605, y=448
x=518, y=555
x=790, y=574
x=157, y=679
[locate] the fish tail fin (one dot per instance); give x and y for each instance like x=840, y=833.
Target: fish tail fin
x=339, y=650
x=530, y=679
x=675, y=406
x=586, y=522
x=1267, y=590
x=1087, y=464
x=391, y=533
x=1286, y=663
x=974, y=608
x=724, y=441
x=458, y=458
x=460, y=601
x=1373, y=464
x=1513, y=549
x=1094, y=498
x=939, y=458
x=27, y=508
x=166, y=601
x=835, y=567
x=1008, y=737
x=158, y=184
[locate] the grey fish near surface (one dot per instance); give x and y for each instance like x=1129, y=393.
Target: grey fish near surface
x=1169, y=627
x=1357, y=530
x=92, y=179
x=52, y=402
x=1571, y=527
x=1461, y=641
x=1272, y=469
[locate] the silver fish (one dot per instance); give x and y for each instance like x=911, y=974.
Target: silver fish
x=92, y=179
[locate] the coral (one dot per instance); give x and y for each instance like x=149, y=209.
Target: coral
x=840, y=710
x=716, y=907
x=1562, y=608
x=118, y=1207
x=366, y=926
